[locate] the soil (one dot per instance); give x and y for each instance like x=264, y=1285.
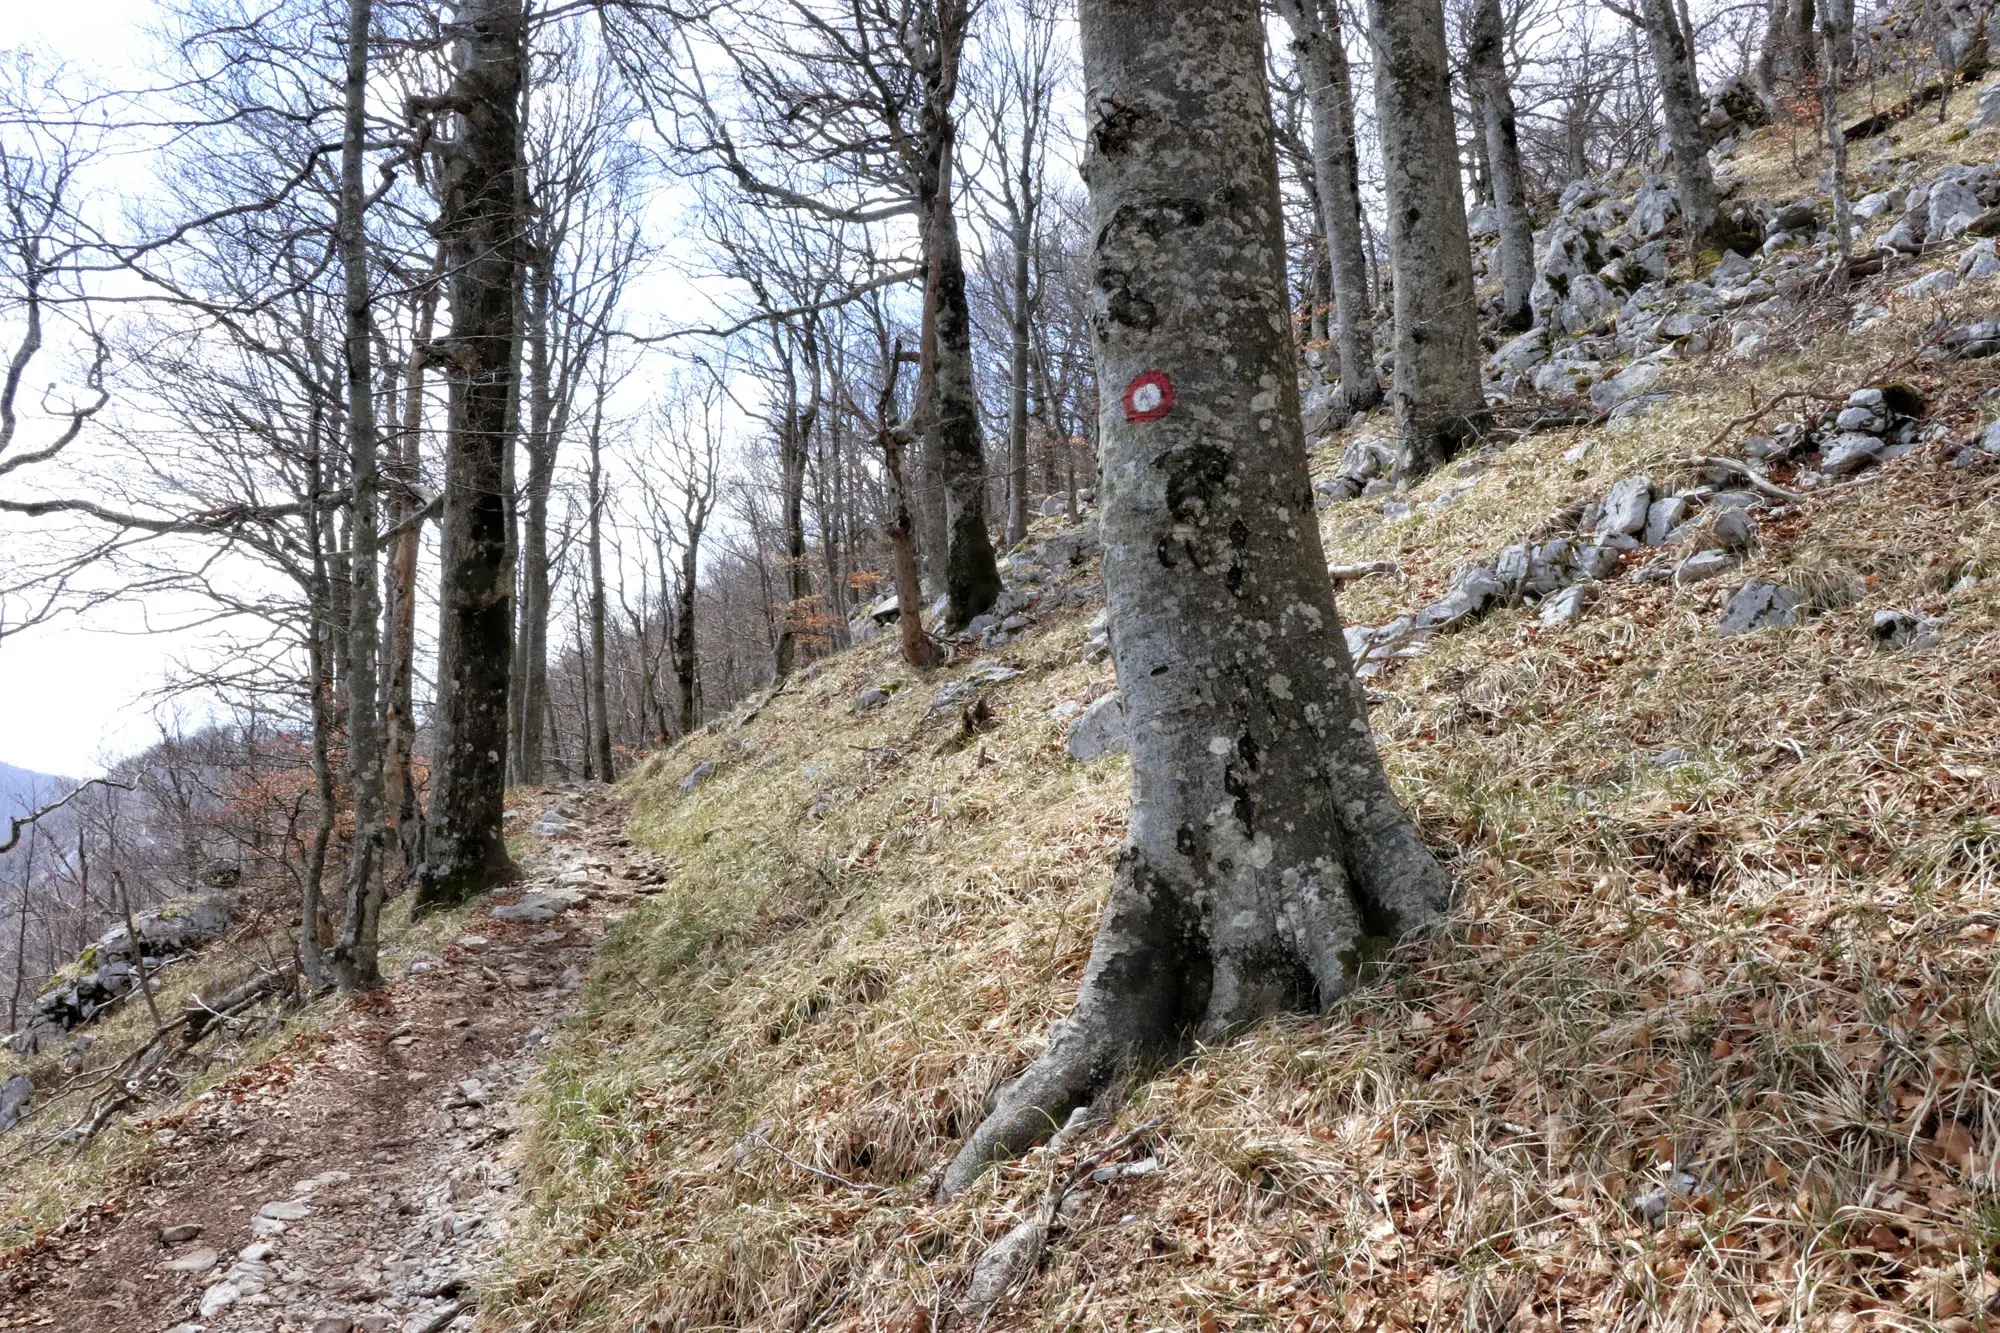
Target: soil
x=362, y=1178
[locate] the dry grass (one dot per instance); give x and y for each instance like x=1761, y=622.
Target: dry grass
x=1749, y=987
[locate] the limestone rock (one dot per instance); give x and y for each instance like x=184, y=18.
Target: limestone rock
x=1100, y=729
x=1760, y=606
x=1625, y=506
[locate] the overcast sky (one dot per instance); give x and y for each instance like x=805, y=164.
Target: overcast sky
x=73, y=694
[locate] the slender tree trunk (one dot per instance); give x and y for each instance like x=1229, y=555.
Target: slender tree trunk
x=600, y=737
x=684, y=642
x=1486, y=70
x=1265, y=841
x=354, y=957
x=465, y=850
x=1829, y=95
x=312, y=955
x=1018, y=317
x=531, y=643
x=1680, y=100
x=1440, y=402
x=917, y=650
x=21, y=933
x=400, y=653
x=1322, y=59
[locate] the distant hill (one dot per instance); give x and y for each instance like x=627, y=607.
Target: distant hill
x=22, y=789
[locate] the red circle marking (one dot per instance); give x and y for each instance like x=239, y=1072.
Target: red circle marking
x=1149, y=396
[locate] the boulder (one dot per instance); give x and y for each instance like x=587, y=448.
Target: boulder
x=1732, y=270
x=1907, y=235
x=1801, y=215
x=1931, y=284
x=1519, y=354
x=870, y=699
x=1733, y=529
x=1979, y=262
x=1986, y=113
x=1966, y=342
x=1872, y=206
x=1565, y=606
x=1760, y=606
x=1739, y=103
x=1100, y=729
x=697, y=775
x=1952, y=206
x=1701, y=565
x=1323, y=410
x=1653, y=208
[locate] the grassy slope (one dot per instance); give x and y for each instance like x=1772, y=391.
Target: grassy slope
x=1769, y=968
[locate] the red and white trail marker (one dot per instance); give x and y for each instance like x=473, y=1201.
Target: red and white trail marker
x=1149, y=396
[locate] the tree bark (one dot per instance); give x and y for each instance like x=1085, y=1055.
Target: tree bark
x=1440, y=403
x=1265, y=843
x=526, y=723
x=400, y=653
x=1680, y=100
x=600, y=734
x=354, y=957
x=1018, y=317
x=465, y=851
x=1486, y=69
x=971, y=574
x=1322, y=58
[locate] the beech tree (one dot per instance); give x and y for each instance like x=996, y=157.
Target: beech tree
x=1672, y=48
x=465, y=852
x=1322, y=61
x=1265, y=841
x=1493, y=95
x=1440, y=402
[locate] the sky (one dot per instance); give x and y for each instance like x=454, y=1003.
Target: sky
x=73, y=695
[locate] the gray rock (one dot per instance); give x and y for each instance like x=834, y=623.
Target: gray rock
x=195, y=1261
x=1849, y=452
x=1733, y=270
x=1931, y=284
x=1625, y=506
x=285, y=1210
x=1734, y=529
x=1966, y=342
x=1323, y=410
x=1596, y=561
x=1760, y=606
x=1902, y=629
x=333, y=1324
x=180, y=1235
x=1100, y=729
x=1055, y=504
x=1873, y=420
x=1979, y=262
x=1565, y=606
x=1653, y=208
x=1872, y=206
x=17, y=1095
x=1952, y=205
x=1634, y=408
x=534, y=906
x=1520, y=354
x=1511, y=567
x=697, y=775
x=1662, y=517
x=1700, y=566
x=1986, y=113
x=1907, y=235
x=1635, y=379
x=870, y=699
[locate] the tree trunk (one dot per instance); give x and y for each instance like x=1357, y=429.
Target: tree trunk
x=1018, y=317
x=1680, y=99
x=1322, y=58
x=400, y=653
x=917, y=650
x=1486, y=70
x=465, y=852
x=1829, y=97
x=1440, y=403
x=684, y=645
x=600, y=737
x=531, y=653
x=354, y=961
x=1265, y=842
x=971, y=576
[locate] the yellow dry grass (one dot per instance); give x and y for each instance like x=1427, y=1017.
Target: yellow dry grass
x=1754, y=980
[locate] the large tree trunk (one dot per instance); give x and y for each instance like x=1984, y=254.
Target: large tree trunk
x=1440, y=403
x=1265, y=842
x=354, y=961
x=1486, y=69
x=1680, y=100
x=1322, y=58
x=684, y=640
x=465, y=851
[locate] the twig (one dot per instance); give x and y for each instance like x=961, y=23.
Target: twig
x=1758, y=481
x=22, y=821
x=1350, y=573
x=813, y=1170
x=443, y=1318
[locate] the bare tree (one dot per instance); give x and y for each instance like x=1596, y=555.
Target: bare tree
x=465, y=851
x=1440, y=402
x=1493, y=95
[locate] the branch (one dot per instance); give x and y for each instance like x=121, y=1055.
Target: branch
x=20, y=822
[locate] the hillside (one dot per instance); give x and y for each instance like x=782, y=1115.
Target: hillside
x=1690, y=673
x=1709, y=1042
x=24, y=789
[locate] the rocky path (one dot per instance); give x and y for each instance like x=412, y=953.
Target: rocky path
x=360, y=1178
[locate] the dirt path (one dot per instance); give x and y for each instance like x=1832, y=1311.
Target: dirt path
x=359, y=1180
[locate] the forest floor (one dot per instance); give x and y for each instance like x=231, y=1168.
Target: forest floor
x=359, y=1177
